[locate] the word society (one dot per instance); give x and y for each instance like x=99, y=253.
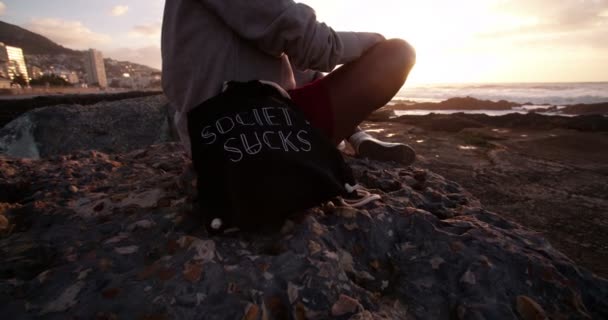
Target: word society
x=257, y=129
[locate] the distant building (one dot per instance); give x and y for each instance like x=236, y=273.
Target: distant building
x=72, y=78
x=5, y=83
x=35, y=72
x=95, y=68
x=157, y=75
x=12, y=62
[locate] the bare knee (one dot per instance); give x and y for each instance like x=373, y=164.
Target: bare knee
x=400, y=53
x=368, y=83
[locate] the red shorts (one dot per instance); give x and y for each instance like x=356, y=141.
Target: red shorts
x=313, y=99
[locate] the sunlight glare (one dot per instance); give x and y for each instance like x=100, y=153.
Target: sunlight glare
x=437, y=29
x=471, y=41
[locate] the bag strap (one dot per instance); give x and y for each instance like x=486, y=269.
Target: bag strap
x=365, y=196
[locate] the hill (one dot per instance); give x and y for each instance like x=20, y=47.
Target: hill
x=30, y=42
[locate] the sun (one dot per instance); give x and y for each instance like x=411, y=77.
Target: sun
x=473, y=40
x=439, y=30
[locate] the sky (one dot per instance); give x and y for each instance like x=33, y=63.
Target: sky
x=456, y=41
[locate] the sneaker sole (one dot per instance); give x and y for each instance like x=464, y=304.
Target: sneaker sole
x=399, y=153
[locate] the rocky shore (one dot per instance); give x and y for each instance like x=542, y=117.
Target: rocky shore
x=547, y=173
x=92, y=235
x=115, y=234
x=468, y=103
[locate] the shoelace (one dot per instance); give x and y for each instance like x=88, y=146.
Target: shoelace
x=365, y=196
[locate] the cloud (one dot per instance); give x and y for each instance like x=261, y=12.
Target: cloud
x=146, y=30
x=119, y=11
x=563, y=14
x=71, y=34
x=556, y=23
x=2, y=8
x=149, y=56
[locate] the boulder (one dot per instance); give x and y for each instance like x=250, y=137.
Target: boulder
x=118, y=236
x=381, y=115
x=458, y=103
x=594, y=108
x=459, y=121
x=17, y=105
x=116, y=126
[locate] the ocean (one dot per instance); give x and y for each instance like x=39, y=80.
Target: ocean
x=530, y=95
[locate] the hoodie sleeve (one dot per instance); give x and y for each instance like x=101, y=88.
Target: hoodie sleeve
x=284, y=26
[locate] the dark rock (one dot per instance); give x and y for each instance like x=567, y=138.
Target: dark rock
x=459, y=121
x=441, y=122
x=433, y=253
x=381, y=115
x=466, y=103
x=13, y=108
x=107, y=126
x=25, y=258
x=596, y=108
x=420, y=175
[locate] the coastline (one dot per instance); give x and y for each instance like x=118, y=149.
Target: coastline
x=502, y=107
x=534, y=93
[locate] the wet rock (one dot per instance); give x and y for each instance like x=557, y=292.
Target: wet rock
x=381, y=115
x=461, y=121
x=459, y=103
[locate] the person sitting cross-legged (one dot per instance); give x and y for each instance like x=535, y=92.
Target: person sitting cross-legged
x=208, y=42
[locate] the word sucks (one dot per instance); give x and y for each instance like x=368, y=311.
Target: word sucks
x=250, y=132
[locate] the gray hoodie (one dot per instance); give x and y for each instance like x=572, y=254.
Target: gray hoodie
x=208, y=42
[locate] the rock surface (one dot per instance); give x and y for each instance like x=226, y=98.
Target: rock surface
x=92, y=235
x=11, y=108
x=531, y=169
x=117, y=126
x=459, y=121
x=596, y=108
x=459, y=103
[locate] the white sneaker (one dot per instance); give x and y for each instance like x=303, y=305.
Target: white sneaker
x=372, y=148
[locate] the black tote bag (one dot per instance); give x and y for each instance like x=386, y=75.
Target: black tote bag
x=258, y=160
